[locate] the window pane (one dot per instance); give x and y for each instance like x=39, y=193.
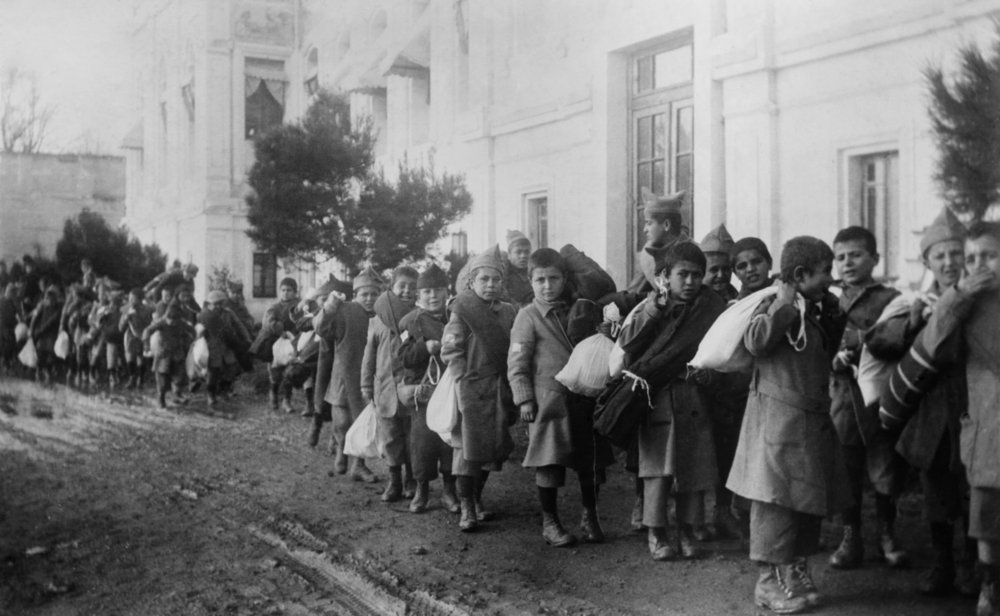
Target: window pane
x=644, y=74
x=658, y=178
x=644, y=178
x=685, y=176
x=643, y=138
x=685, y=125
x=672, y=67
x=659, y=137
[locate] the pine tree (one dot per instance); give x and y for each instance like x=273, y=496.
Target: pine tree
x=965, y=118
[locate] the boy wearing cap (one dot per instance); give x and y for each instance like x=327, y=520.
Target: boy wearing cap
x=718, y=266
x=223, y=334
x=788, y=460
x=422, y=330
x=176, y=336
x=341, y=291
x=134, y=320
x=867, y=451
x=516, y=279
x=662, y=222
x=930, y=440
x=345, y=326
x=475, y=345
x=381, y=370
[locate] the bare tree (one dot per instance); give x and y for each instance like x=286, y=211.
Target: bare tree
x=23, y=117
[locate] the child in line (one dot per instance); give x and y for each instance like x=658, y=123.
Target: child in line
x=134, y=320
x=560, y=423
x=176, y=336
x=223, y=333
x=44, y=328
x=787, y=462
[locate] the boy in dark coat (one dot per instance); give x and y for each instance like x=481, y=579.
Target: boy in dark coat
x=420, y=353
x=280, y=320
x=788, y=460
x=44, y=328
x=560, y=423
x=134, y=320
x=176, y=336
x=223, y=333
x=868, y=451
x=516, y=278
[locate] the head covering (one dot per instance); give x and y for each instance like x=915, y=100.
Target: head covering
x=946, y=226
x=367, y=278
x=717, y=240
x=751, y=243
x=216, y=297
x=485, y=259
x=333, y=284
x=236, y=286
x=433, y=277
x=516, y=237
x=191, y=268
x=661, y=205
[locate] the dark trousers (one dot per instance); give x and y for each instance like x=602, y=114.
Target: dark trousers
x=429, y=455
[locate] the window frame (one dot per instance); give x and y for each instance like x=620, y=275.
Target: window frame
x=265, y=275
x=538, y=227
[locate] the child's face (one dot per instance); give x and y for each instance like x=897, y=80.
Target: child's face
x=814, y=285
x=752, y=269
x=719, y=271
x=983, y=255
x=286, y=292
x=487, y=283
x=548, y=283
x=684, y=280
x=655, y=230
x=854, y=262
x=518, y=254
x=366, y=296
x=432, y=300
x=945, y=261
x=405, y=288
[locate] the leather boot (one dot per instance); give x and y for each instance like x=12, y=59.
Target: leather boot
x=394, y=489
x=687, y=541
x=449, y=500
x=468, y=522
x=850, y=552
x=419, y=502
x=772, y=593
x=799, y=581
x=894, y=556
x=661, y=544
x=939, y=580
x=553, y=531
x=310, y=405
x=361, y=472
x=590, y=527
x=482, y=514
x=989, y=593
x=314, y=431
x=635, y=521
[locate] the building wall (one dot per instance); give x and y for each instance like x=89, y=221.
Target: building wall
x=38, y=192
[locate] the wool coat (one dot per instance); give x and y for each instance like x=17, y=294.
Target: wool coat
x=132, y=324
x=676, y=440
x=223, y=334
x=175, y=339
x=347, y=325
x=789, y=453
x=44, y=326
x=485, y=404
x=381, y=368
x=279, y=318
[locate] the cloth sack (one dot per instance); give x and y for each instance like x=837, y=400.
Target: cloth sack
x=304, y=340
x=616, y=359
x=283, y=352
x=589, y=278
x=21, y=332
x=621, y=408
x=584, y=372
x=28, y=355
x=62, y=346
x=196, y=362
x=155, y=345
x=362, y=437
x=442, y=408
x=874, y=373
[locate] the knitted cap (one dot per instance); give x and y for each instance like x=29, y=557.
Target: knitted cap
x=946, y=226
x=516, y=237
x=751, y=243
x=717, y=240
x=433, y=277
x=486, y=259
x=367, y=278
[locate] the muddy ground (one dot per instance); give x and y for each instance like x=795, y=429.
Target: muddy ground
x=111, y=506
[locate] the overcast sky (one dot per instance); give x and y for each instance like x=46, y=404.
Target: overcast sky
x=79, y=50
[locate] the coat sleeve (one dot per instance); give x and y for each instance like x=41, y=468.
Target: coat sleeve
x=940, y=335
x=636, y=334
x=768, y=326
x=413, y=352
x=890, y=339
x=520, y=358
x=453, y=345
x=368, y=363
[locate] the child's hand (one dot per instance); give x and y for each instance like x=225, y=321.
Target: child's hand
x=974, y=284
x=528, y=411
x=843, y=360
x=700, y=376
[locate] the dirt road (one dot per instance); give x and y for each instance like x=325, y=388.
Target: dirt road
x=110, y=506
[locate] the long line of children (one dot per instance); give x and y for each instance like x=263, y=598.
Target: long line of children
x=788, y=440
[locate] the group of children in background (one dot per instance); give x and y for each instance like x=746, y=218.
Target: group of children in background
x=781, y=446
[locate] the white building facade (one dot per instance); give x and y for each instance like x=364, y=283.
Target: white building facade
x=779, y=117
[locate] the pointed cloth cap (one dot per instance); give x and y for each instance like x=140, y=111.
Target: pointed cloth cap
x=367, y=278
x=516, y=237
x=718, y=240
x=946, y=226
x=433, y=277
x=486, y=259
x=661, y=205
x=334, y=284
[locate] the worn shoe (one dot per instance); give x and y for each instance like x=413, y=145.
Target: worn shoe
x=635, y=522
x=894, y=556
x=449, y=500
x=360, y=472
x=772, y=593
x=339, y=463
x=687, y=539
x=590, y=527
x=274, y=400
x=703, y=533
x=554, y=533
x=660, y=545
x=419, y=502
x=482, y=514
x=799, y=581
x=286, y=406
x=310, y=408
x=314, y=432
x=468, y=522
x=394, y=489
x=850, y=553
x=409, y=488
